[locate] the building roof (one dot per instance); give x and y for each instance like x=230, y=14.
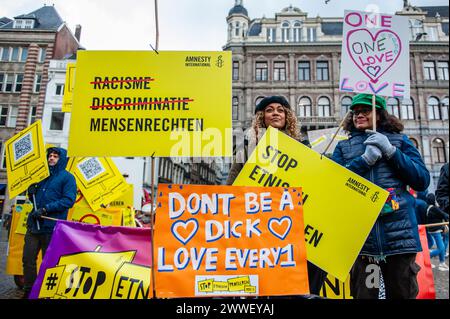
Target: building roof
x=332, y=28
x=255, y=29
x=431, y=11
x=4, y=21
x=47, y=18
x=239, y=9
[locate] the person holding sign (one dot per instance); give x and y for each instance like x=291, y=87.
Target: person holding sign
x=389, y=159
x=51, y=197
x=275, y=111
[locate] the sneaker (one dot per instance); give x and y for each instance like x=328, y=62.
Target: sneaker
x=446, y=254
x=443, y=267
x=432, y=266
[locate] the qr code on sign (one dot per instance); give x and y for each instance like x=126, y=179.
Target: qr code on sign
x=91, y=168
x=23, y=147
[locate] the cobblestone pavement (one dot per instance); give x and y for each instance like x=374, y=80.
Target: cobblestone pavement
x=9, y=290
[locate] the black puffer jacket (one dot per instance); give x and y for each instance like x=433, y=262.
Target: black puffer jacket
x=442, y=189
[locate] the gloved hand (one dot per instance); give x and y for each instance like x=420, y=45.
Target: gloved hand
x=37, y=214
x=437, y=213
x=382, y=142
x=372, y=154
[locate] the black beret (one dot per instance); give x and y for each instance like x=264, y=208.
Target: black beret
x=271, y=99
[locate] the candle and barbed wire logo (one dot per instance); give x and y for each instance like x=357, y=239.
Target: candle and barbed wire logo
x=219, y=61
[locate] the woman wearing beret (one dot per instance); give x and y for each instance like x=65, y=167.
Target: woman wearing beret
x=274, y=111
x=388, y=159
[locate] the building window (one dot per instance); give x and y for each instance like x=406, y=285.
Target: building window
x=15, y=54
x=429, y=71
x=2, y=81
x=285, y=32
x=12, y=116
x=18, y=84
x=32, y=115
x=3, y=115
x=261, y=71
x=57, y=120
x=393, y=107
x=433, y=108
x=408, y=109
x=5, y=54
x=439, y=155
x=235, y=108
x=297, y=31
x=9, y=82
x=416, y=28
x=345, y=105
x=42, y=52
x=236, y=29
x=444, y=108
x=235, y=70
x=279, y=71
x=304, y=107
x=304, y=71
x=442, y=68
x=324, y=107
x=322, y=70
x=59, y=89
x=311, y=34
x=24, y=55
x=271, y=35
x=37, y=83
x=3, y=155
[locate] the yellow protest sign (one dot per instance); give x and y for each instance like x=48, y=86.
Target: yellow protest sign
x=140, y=103
x=24, y=210
x=26, y=161
x=14, y=264
x=128, y=214
x=102, y=216
x=340, y=207
x=68, y=88
x=333, y=288
x=98, y=179
x=124, y=201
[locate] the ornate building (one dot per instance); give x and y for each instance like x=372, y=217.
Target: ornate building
x=299, y=57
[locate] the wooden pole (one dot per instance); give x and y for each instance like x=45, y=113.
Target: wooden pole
x=337, y=131
x=436, y=224
x=374, y=113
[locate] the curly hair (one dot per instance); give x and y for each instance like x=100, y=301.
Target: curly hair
x=387, y=122
x=291, y=128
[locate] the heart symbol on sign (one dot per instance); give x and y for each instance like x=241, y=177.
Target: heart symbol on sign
x=375, y=54
x=280, y=224
x=188, y=231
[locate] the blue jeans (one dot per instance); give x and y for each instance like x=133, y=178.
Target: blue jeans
x=437, y=236
x=445, y=235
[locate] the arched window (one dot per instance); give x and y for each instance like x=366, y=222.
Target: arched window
x=393, y=106
x=345, y=105
x=416, y=28
x=444, y=108
x=285, y=34
x=304, y=107
x=297, y=31
x=258, y=99
x=324, y=107
x=230, y=30
x=237, y=29
x=439, y=155
x=433, y=108
x=415, y=143
x=408, y=109
x=235, y=108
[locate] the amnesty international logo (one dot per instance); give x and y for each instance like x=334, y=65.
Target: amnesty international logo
x=219, y=61
x=375, y=196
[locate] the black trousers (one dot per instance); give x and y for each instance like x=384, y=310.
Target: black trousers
x=399, y=275
x=33, y=244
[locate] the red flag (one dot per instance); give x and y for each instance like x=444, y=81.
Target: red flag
x=425, y=275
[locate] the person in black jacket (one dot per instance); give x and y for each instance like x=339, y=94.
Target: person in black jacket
x=442, y=199
x=51, y=197
x=388, y=159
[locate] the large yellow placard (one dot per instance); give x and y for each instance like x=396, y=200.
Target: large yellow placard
x=26, y=161
x=98, y=179
x=68, y=88
x=141, y=103
x=340, y=207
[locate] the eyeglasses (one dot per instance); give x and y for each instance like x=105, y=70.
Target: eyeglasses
x=361, y=111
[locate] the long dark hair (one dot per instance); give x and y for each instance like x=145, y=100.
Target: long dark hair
x=387, y=122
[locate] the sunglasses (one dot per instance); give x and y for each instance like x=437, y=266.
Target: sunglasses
x=365, y=111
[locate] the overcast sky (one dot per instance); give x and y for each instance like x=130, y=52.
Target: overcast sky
x=183, y=24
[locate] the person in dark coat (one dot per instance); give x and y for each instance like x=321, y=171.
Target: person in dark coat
x=52, y=197
x=275, y=111
x=443, y=200
x=388, y=159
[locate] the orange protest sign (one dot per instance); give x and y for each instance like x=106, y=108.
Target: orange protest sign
x=229, y=240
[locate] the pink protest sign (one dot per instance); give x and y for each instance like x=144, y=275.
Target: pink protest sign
x=375, y=54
